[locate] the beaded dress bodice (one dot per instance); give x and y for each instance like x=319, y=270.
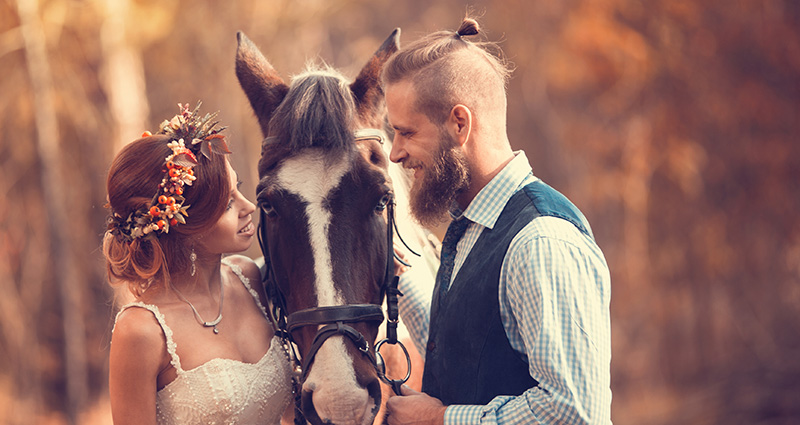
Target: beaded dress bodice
x=224, y=391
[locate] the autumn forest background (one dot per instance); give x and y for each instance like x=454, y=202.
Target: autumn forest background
x=673, y=124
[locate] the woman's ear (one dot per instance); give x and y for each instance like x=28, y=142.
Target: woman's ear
x=460, y=123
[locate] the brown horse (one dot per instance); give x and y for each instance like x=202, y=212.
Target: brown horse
x=324, y=189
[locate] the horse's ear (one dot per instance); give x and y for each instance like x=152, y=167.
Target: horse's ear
x=261, y=83
x=367, y=89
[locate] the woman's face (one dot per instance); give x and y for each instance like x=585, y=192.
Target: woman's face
x=235, y=229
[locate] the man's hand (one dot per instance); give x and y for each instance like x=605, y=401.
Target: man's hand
x=414, y=408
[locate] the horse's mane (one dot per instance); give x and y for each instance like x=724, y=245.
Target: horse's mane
x=318, y=111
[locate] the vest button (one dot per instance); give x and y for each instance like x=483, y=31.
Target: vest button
x=431, y=346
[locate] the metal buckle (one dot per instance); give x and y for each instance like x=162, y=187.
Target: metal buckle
x=370, y=134
x=381, y=366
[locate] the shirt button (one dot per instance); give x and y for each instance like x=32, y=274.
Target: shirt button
x=431, y=346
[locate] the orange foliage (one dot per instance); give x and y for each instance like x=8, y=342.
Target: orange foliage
x=672, y=124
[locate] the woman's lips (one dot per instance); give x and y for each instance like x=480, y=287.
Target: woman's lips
x=248, y=230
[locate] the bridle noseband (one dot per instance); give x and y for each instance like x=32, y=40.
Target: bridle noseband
x=337, y=320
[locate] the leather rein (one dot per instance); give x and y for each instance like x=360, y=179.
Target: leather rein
x=337, y=319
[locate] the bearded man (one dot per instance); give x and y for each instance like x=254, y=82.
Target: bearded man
x=518, y=329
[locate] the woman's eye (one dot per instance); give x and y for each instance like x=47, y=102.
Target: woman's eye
x=383, y=203
x=230, y=205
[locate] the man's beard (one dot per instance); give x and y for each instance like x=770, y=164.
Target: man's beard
x=443, y=180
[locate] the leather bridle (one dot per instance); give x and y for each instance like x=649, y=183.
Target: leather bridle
x=337, y=320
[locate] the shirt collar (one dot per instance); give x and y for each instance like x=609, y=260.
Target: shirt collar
x=487, y=205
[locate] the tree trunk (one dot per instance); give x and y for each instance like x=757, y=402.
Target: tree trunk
x=55, y=192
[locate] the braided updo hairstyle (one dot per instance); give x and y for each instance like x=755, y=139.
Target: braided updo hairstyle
x=133, y=179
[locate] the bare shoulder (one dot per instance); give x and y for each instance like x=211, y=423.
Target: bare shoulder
x=137, y=329
x=249, y=268
x=252, y=272
x=138, y=354
x=138, y=347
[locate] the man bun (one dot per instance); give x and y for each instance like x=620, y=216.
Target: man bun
x=468, y=28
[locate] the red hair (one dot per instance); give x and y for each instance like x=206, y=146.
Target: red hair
x=133, y=179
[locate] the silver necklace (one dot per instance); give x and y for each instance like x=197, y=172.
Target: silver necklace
x=199, y=319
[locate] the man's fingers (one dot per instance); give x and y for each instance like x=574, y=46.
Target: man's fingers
x=406, y=390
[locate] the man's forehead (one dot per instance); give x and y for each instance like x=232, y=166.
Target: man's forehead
x=402, y=91
x=400, y=104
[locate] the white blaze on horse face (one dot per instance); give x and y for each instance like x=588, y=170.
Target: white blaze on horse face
x=336, y=394
x=309, y=177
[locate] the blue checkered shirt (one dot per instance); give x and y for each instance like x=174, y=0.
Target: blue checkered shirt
x=554, y=293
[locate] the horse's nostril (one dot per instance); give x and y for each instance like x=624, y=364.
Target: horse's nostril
x=354, y=406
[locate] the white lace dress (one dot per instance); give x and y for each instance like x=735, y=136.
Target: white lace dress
x=224, y=391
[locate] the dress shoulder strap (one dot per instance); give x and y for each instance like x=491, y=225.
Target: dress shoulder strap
x=171, y=346
x=246, y=282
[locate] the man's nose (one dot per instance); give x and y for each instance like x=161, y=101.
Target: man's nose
x=398, y=152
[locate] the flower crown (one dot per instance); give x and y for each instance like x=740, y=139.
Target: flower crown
x=167, y=207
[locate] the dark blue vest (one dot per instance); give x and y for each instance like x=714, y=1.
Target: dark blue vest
x=468, y=358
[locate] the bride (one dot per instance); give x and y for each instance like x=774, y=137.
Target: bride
x=196, y=346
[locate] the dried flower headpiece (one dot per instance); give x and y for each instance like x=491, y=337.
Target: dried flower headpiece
x=167, y=207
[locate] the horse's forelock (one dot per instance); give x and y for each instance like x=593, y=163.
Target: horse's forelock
x=318, y=111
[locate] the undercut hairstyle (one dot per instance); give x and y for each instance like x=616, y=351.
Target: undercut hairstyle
x=446, y=69
x=133, y=179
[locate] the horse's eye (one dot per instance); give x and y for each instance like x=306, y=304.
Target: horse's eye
x=262, y=198
x=267, y=208
x=383, y=203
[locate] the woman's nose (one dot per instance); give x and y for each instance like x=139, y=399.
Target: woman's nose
x=249, y=207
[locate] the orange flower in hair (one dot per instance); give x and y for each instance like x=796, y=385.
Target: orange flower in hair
x=167, y=206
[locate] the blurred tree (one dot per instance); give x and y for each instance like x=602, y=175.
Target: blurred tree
x=673, y=124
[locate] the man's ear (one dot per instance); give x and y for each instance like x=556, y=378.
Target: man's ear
x=460, y=123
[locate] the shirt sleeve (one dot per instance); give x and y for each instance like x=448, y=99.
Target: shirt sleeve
x=416, y=284
x=554, y=301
